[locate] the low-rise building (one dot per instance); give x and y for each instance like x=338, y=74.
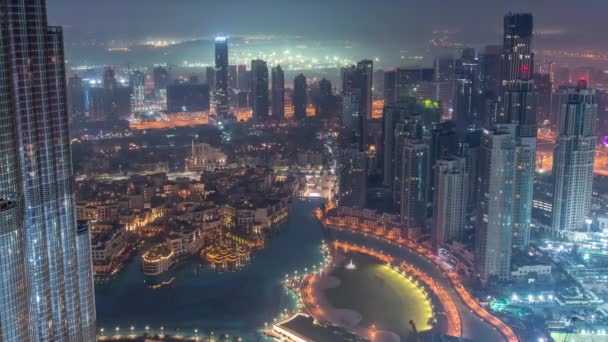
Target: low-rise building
x=157, y=260
x=107, y=249
x=529, y=268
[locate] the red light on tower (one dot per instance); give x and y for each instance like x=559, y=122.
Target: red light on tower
x=525, y=68
x=582, y=79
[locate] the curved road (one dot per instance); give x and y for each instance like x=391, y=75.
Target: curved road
x=473, y=327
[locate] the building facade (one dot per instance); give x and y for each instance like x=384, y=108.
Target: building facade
x=300, y=97
x=46, y=302
x=259, y=70
x=278, y=93
x=450, y=200
x=221, y=77
x=573, y=159
x=494, y=232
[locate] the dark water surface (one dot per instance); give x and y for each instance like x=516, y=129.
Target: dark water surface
x=237, y=303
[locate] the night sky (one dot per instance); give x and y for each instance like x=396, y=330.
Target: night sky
x=474, y=21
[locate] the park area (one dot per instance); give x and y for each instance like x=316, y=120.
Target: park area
x=370, y=296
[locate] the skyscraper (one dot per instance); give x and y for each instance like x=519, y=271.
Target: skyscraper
x=232, y=78
x=161, y=79
x=365, y=70
x=543, y=88
x=409, y=127
x=110, y=88
x=520, y=107
x=278, y=93
x=136, y=82
x=391, y=116
x=221, y=77
x=352, y=178
x=242, y=80
x=409, y=78
x=490, y=68
x=259, y=70
x=463, y=104
x=86, y=288
x=76, y=100
x=390, y=87
x=494, y=231
x=450, y=200
x=357, y=89
x=326, y=104
x=300, y=95
x=470, y=149
x=41, y=295
x=573, y=158
x=415, y=176
x=443, y=144
x=517, y=48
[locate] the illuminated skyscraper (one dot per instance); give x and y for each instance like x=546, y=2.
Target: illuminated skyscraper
x=520, y=107
x=508, y=160
x=450, y=200
x=573, y=158
x=137, y=83
x=463, y=104
x=278, y=93
x=352, y=178
x=391, y=116
x=357, y=100
x=415, y=180
x=543, y=88
x=259, y=74
x=41, y=295
x=86, y=288
x=300, y=95
x=494, y=232
x=365, y=70
x=221, y=77
x=517, y=48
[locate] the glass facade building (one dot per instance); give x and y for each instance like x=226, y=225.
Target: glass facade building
x=221, y=76
x=40, y=292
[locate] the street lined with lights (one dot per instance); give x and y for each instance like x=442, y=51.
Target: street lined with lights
x=451, y=275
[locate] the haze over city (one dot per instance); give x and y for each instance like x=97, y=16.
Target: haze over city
x=314, y=171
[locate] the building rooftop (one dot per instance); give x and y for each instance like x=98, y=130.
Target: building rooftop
x=157, y=252
x=304, y=327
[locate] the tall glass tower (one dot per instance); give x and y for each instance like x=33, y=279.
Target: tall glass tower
x=221, y=76
x=520, y=105
x=259, y=71
x=39, y=288
x=278, y=93
x=517, y=47
x=573, y=159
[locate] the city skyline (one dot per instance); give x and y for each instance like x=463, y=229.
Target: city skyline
x=408, y=20
x=362, y=181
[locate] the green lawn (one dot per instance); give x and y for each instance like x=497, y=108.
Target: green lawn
x=382, y=296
